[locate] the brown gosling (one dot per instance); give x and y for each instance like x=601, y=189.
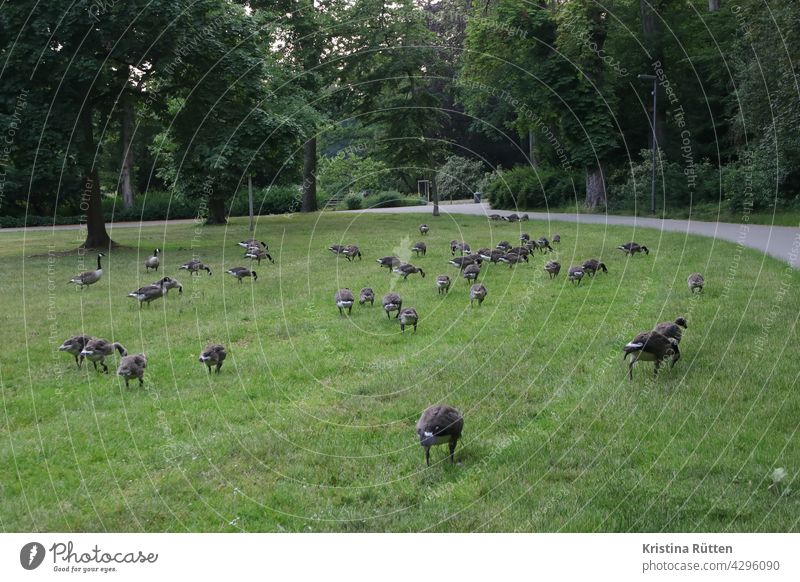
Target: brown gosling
x=553, y=268
x=194, y=267
x=131, y=367
x=477, y=293
x=696, y=282
x=74, y=346
x=389, y=262
x=367, y=294
x=438, y=425
x=420, y=248
x=350, y=252
x=591, y=267
x=510, y=259
x=408, y=317
x=423, y=229
x=344, y=300
x=97, y=350
x=471, y=272
x=575, y=274
x=407, y=269
x=557, y=238
x=443, y=284
x=392, y=302
x=213, y=355
x=631, y=248
x=651, y=346
x=242, y=272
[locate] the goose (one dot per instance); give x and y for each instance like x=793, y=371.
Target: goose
x=149, y=293
x=553, y=268
x=350, y=252
x=503, y=245
x=389, y=262
x=258, y=254
x=443, y=284
x=493, y=256
x=524, y=217
x=392, y=302
x=651, y=346
x=408, y=317
x=169, y=283
x=575, y=274
x=471, y=272
x=194, y=267
x=543, y=244
x=462, y=247
x=74, y=346
x=477, y=293
x=242, y=272
x=532, y=245
x=523, y=252
x=439, y=424
x=512, y=218
x=591, y=267
x=131, y=367
x=462, y=262
x=483, y=253
x=420, y=248
x=510, y=259
x=524, y=237
x=407, y=269
x=97, y=350
x=557, y=238
x=367, y=294
x=337, y=249
x=344, y=300
x=672, y=328
x=253, y=243
x=213, y=355
x=632, y=248
x=495, y=217
x=423, y=229
x=89, y=277
x=152, y=262
x=696, y=281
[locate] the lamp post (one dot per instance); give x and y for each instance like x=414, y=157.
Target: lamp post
x=654, y=79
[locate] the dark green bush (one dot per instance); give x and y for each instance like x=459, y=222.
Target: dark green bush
x=352, y=201
x=391, y=198
x=526, y=188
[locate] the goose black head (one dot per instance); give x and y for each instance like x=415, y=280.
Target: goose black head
x=682, y=322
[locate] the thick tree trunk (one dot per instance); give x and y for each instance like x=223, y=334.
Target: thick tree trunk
x=216, y=211
x=91, y=197
x=309, y=203
x=595, y=187
x=653, y=36
x=713, y=5
x=125, y=175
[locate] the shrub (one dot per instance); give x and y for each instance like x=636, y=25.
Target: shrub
x=351, y=173
x=750, y=183
x=459, y=178
x=352, y=201
x=526, y=188
x=391, y=198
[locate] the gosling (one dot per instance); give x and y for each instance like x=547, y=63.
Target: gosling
x=97, y=350
x=392, y=302
x=408, y=317
x=575, y=274
x=242, y=272
x=367, y=294
x=131, y=367
x=553, y=268
x=195, y=266
x=443, y=284
x=477, y=293
x=696, y=282
x=74, y=346
x=632, y=248
x=591, y=267
x=213, y=355
x=420, y=248
x=438, y=425
x=344, y=300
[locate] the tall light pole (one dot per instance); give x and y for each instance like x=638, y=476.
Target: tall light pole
x=654, y=79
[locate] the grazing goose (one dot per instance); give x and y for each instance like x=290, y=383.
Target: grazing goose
x=258, y=254
x=131, y=367
x=344, y=300
x=672, y=328
x=423, y=229
x=443, y=284
x=438, y=425
x=512, y=218
x=524, y=237
x=392, y=302
x=337, y=249
x=169, y=283
x=524, y=217
x=420, y=248
x=575, y=274
x=557, y=238
x=350, y=252
x=462, y=262
x=367, y=294
x=543, y=244
x=696, y=281
x=75, y=345
x=408, y=317
x=483, y=252
x=407, y=269
x=477, y=293
x=149, y=293
x=591, y=266
x=651, y=346
x=242, y=272
x=553, y=268
x=194, y=267
x=471, y=272
x=461, y=247
x=510, y=259
x=89, y=277
x=632, y=248
x=253, y=243
x=503, y=245
x=523, y=252
x=532, y=245
x=97, y=350
x=389, y=262
x=213, y=355
x=152, y=262
x=493, y=256
x=495, y=217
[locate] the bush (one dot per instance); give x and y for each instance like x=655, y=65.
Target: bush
x=343, y=174
x=750, y=183
x=352, y=201
x=526, y=188
x=391, y=198
x=459, y=178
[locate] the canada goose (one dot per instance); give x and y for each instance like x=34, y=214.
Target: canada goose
x=242, y=272
x=423, y=229
x=131, y=367
x=591, y=267
x=575, y=274
x=553, y=268
x=471, y=272
x=258, y=254
x=169, y=283
x=523, y=252
x=407, y=269
x=194, y=267
x=149, y=293
x=337, y=249
x=392, y=302
x=367, y=294
x=672, y=328
x=632, y=248
x=408, y=317
x=477, y=293
x=344, y=300
x=439, y=424
x=524, y=237
x=75, y=345
x=420, y=248
x=462, y=262
x=97, y=350
x=89, y=277
x=389, y=262
x=152, y=262
x=493, y=256
x=253, y=243
x=510, y=259
x=443, y=284
x=696, y=281
x=531, y=245
x=651, y=346
x=557, y=238
x=524, y=217
x=512, y=218
x=483, y=253
x=495, y=217
x=503, y=245
x=543, y=244
x=462, y=247
x=213, y=354
x=350, y=252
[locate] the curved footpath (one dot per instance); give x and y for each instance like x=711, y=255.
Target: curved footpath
x=781, y=242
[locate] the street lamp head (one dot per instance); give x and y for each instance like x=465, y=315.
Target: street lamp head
x=646, y=77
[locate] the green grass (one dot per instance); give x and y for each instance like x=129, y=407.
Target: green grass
x=310, y=426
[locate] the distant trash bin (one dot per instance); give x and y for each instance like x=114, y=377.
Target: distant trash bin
x=476, y=197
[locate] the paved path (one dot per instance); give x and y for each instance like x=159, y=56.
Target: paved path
x=781, y=242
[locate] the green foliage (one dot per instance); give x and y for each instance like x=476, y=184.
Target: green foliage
x=750, y=183
x=391, y=198
x=526, y=188
x=347, y=173
x=459, y=177
x=352, y=201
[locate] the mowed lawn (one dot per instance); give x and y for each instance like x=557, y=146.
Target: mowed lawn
x=310, y=425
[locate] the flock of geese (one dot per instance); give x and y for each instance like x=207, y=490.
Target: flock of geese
x=439, y=424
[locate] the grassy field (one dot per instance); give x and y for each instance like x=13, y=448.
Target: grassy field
x=310, y=425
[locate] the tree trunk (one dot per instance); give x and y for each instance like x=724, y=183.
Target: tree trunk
x=91, y=197
x=216, y=211
x=309, y=203
x=713, y=5
x=595, y=187
x=125, y=175
x=532, y=149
